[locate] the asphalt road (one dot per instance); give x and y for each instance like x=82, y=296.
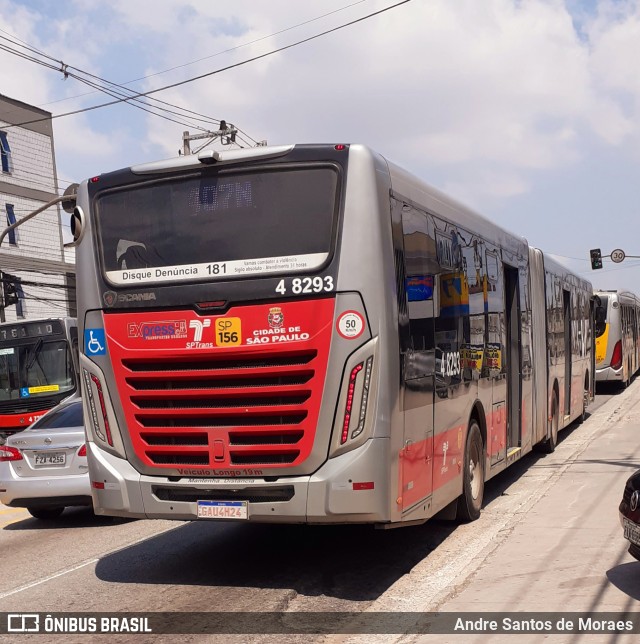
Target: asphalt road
x=83, y=563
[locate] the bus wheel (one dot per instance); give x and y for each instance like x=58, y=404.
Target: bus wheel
x=470, y=501
x=551, y=442
x=585, y=403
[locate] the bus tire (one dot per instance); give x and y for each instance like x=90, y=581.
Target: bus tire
x=550, y=444
x=470, y=502
x=585, y=401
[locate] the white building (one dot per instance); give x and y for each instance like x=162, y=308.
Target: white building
x=32, y=257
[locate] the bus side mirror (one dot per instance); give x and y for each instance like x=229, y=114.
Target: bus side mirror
x=77, y=225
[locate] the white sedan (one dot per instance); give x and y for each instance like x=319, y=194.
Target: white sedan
x=44, y=468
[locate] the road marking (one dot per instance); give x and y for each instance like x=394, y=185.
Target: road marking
x=88, y=562
x=20, y=514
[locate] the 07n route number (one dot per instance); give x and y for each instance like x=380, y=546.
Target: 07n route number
x=306, y=285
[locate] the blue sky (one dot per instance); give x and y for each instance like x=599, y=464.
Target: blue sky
x=526, y=110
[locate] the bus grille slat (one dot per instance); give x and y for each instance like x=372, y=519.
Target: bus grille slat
x=223, y=409
x=167, y=402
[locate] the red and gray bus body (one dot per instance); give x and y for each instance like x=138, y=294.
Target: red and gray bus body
x=310, y=334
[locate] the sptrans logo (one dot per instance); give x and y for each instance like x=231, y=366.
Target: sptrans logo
x=168, y=329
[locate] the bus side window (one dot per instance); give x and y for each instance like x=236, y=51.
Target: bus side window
x=420, y=266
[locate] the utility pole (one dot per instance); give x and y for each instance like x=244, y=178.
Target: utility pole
x=226, y=134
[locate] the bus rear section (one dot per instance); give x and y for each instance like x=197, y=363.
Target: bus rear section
x=232, y=363
x=617, y=336
x=38, y=369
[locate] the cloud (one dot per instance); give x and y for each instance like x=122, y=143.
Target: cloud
x=492, y=101
x=456, y=80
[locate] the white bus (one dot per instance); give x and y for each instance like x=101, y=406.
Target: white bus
x=617, y=337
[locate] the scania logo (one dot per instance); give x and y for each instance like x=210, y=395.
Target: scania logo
x=111, y=297
x=635, y=499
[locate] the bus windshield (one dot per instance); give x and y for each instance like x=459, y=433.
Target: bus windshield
x=220, y=226
x=36, y=369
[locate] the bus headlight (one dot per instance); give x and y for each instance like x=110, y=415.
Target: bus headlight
x=356, y=396
x=100, y=422
x=363, y=389
x=98, y=426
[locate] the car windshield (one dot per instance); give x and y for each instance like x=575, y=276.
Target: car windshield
x=69, y=415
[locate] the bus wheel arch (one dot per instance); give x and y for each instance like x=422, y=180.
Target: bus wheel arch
x=478, y=414
x=473, y=473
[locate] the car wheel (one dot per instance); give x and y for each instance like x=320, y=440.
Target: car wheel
x=47, y=514
x=470, y=501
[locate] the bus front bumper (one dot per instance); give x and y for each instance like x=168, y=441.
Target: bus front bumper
x=607, y=374
x=349, y=488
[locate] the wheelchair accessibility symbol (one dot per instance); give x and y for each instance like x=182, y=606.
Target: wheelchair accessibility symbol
x=94, y=342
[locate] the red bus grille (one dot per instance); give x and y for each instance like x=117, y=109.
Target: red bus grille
x=215, y=407
x=256, y=415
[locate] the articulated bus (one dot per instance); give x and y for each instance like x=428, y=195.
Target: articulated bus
x=308, y=333
x=38, y=369
x=617, y=337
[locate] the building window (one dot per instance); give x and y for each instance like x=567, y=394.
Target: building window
x=5, y=152
x=11, y=219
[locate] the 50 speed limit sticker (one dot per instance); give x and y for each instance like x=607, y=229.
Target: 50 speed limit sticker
x=350, y=325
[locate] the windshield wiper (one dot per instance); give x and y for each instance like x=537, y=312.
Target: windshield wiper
x=33, y=354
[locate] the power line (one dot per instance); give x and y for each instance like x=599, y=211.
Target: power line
x=225, y=51
x=218, y=71
x=115, y=90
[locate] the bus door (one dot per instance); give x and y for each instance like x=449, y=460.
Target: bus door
x=418, y=370
x=416, y=265
x=566, y=312
x=416, y=460
x=513, y=351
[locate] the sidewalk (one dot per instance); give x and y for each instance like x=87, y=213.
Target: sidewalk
x=551, y=543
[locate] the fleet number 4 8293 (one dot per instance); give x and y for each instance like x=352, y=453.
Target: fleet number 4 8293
x=300, y=285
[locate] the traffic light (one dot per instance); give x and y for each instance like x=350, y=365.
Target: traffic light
x=9, y=291
x=596, y=258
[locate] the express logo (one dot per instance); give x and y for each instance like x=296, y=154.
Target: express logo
x=275, y=318
x=158, y=330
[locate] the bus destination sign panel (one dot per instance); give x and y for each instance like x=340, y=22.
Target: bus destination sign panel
x=30, y=330
x=218, y=270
